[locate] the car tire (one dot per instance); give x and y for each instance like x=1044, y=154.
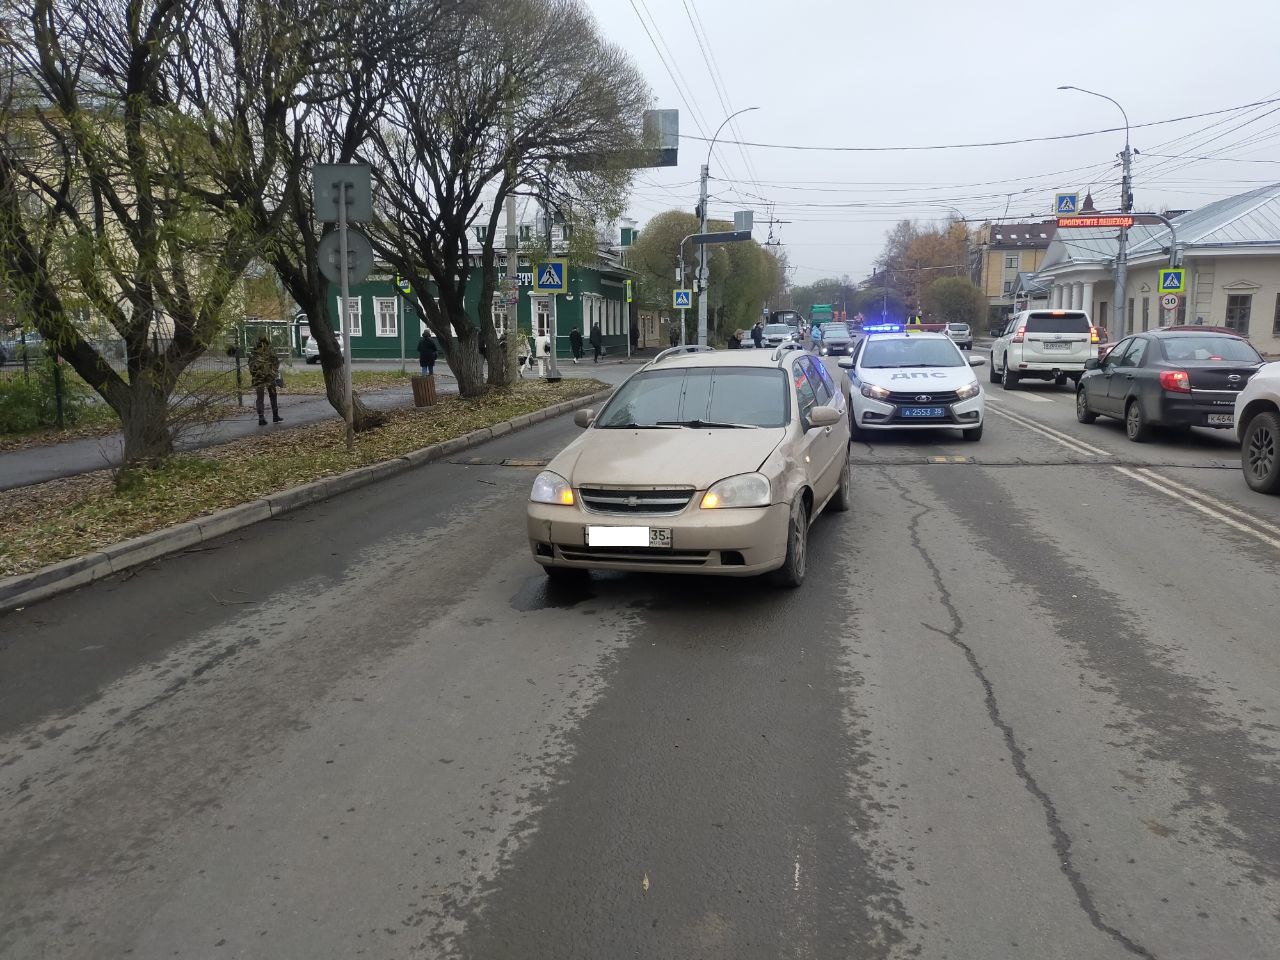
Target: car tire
x=1260, y=453
x=973, y=434
x=1008, y=379
x=994, y=374
x=1136, y=427
x=1083, y=413
x=791, y=573
x=843, y=498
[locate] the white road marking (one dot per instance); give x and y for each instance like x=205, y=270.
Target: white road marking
x=1191, y=497
x=1032, y=396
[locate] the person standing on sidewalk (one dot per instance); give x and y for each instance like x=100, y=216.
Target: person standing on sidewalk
x=427, y=354
x=597, y=339
x=575, y=344
x=757, y=334
x=264, y=370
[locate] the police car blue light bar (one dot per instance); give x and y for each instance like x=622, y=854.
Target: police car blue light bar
x=882, y=328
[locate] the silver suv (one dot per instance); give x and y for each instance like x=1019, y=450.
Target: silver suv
x=961, y=334
x=1044, y=345
x=702, y=461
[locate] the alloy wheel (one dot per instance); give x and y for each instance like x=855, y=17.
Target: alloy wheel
x=1262, y=453
x=800, y=529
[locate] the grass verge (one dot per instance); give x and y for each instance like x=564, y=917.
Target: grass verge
x=53, y=521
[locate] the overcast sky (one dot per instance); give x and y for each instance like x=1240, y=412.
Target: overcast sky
x=919, y=72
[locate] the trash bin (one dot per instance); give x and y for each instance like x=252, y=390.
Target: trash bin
x=424, y=391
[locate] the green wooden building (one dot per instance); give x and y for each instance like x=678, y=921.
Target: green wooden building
x=383, y=324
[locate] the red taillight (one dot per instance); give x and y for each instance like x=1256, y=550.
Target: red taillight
x=1175, y=381
x=1018, y=337
x=1093, y=335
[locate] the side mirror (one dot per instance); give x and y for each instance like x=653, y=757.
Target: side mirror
x=845, y=363
x=584, y=417
x=977, y=361
x=1093, y=363
x=824, y=417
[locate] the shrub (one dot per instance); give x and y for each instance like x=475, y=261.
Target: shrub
x=29, y=403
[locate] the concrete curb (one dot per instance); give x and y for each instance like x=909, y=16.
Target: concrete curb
x=57, y=578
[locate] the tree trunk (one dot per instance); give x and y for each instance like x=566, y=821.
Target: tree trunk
x=466, y=363
x=148, y=436
x=363, y=418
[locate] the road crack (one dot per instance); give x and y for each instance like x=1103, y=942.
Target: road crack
x=1061, y=839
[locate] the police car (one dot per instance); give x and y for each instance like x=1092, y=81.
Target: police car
x=902, y=380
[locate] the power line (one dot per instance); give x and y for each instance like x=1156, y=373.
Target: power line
x=994, y=143
x=676, y=83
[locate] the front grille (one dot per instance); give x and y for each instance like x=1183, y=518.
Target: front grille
x=651, y=555
x=653, y=502
x=930, y=398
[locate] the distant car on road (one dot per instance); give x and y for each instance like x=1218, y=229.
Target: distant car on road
x=961, y=334
x=311, y=350
x=1043, y=345
x=776, y=334
x=704, y=462
x=1257, y=413
x=836, y=341
x=1168, y=379
x=912, y=381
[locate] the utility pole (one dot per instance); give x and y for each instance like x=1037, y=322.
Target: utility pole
x=1122, y=250
x=702, y=257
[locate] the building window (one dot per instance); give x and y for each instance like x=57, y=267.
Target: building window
x=500, y=320
x=1275, y=323
x=1128, y=317
x=1146, y=312
x=384, y=310
x=352, y=321
x=482, y=233
x=1238, y=307
x=526, y=233
x=1008, y=287
x=1012, y=262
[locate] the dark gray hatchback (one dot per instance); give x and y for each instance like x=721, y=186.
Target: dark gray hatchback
x=1168, y=379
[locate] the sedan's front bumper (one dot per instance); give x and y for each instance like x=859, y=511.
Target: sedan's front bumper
x=740, y=542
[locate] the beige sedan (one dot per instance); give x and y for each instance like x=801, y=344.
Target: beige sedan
x=701, y=462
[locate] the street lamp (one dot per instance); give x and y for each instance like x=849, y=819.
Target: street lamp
x=1126, y=204
x=702, y=213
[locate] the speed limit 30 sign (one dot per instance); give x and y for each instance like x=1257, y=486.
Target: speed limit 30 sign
x=1169, y=301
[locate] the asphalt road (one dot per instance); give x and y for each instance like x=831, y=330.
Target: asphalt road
x=1026, y=706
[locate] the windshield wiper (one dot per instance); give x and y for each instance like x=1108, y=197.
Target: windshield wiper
x=636, y=426
x=707, y=423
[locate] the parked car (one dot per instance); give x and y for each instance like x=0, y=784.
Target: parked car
x=913, y=381
x=1043, y=345
x=1257, y=414
x=1163, y=378
x=961, y=334
x=703, y=462
x=311, y=349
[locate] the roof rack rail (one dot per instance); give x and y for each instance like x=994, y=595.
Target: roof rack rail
x=783, y=348
x=683, y=348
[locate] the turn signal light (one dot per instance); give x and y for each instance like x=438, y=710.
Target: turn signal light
x=566, y=496
x=1175, y=381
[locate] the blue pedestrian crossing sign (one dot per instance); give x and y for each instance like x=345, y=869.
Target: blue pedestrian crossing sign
x=1066, y=204
x=681, y=299
x=1173, y=281
x=549, y=277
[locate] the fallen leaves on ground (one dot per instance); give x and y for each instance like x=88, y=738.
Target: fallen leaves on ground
x=59, y=519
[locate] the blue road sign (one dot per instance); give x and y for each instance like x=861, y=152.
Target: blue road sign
x=682, y=299
x=1173, y=281
x=549, y=277
x=1066, y=203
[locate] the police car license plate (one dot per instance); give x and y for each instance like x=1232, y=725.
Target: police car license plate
x=924, y=413
x=629, y=537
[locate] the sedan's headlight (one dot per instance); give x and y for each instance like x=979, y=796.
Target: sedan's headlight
x=969, y=390
x=550, y=487
x=872, y=392
x=744, y=490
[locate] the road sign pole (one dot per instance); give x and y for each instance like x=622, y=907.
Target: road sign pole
x=553, y=369
x=344, y=267
x=1122, y=251
x=702, y=262
x=682, y=313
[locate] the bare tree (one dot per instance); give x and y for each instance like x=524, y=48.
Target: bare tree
x=104, y=172
x=463, y=133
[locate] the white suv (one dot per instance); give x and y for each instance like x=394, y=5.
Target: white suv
x=1044, y=345
x=1258, y=427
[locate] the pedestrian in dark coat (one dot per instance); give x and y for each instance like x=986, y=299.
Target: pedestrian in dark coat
x=757, y=334
x=427, y=354
x=597, y=340
x=674, y=336
x=264, y=370
x=575, y=344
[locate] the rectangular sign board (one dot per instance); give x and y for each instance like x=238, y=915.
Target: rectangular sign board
x=327, y=180
x=1173, y=281
x=1113, y=220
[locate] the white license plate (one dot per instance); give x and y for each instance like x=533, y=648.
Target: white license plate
x=629, y=537
x=1054, y=347
x=1224, y=419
